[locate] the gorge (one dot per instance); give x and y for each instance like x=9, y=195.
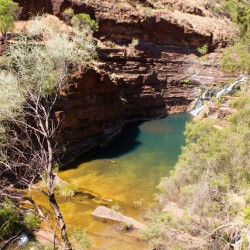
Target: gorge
x=161, y=73
x=100, y=101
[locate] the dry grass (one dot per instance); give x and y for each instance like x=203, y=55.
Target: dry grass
x=52, y=21
x=180, y=12
x=192, y=15
x=220, y=28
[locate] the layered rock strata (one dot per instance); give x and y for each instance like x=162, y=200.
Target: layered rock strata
x=148, y=65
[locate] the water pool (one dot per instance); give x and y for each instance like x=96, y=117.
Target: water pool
x=126, y=174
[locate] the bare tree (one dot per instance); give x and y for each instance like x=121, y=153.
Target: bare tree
x=39, y=67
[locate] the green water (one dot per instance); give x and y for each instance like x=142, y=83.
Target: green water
x=125, y=173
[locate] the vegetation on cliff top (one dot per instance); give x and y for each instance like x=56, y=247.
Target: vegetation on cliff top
x=236, y=58
x=8, y=10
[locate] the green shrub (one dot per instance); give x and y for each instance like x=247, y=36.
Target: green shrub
x=186, y=81
x=216, y=10
x=240, y=14
x=236, y=59
x=134, y=43
x=9, y=219
x=78, y=238
x=204, y=59
x=31, y=221
x=11, y=96
x=241, y=101
x=83, y=21
x=211, y=178
x=246, y=213
x=203, y=50
x=159, y=224
x=7, y=15
x=66, y=190
x=68, y=13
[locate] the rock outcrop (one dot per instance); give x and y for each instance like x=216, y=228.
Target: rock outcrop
x=148, y=64
x=107, y=213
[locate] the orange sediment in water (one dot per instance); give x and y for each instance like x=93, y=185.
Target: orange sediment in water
x=126, y=174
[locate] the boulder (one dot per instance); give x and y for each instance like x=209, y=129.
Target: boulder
x=107, y=213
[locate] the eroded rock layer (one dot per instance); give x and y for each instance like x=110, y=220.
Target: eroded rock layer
x=148, y=65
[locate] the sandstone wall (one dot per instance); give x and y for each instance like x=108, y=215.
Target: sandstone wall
x=148, y=67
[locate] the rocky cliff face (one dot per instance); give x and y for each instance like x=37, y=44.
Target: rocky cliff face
x=148, y=65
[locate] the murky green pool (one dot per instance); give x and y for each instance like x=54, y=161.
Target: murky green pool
x=124, y=173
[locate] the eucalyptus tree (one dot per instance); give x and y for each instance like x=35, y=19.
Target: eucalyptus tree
x=39, y=65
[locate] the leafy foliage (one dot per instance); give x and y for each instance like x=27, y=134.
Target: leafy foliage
x=66, y=189
x=12, y=221
x=68, y=13
x=236, y=58
x=7, y=15
x=211, y=179
x=40, y=246
x=83, y=21
x=31, y=221
x=42, y=66
x=79, y=238
x=203, y=50
x=11, y=96
x=9, y=219
x=39, y=65
x=240, y=14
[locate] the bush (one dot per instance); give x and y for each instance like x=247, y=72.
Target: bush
x=159, y=224
x=83, y=21
x=211, y=180
x=11, y=96
x=66, y=190
x=7, y=15
x=240, y=14
x=241, y=101
x=42, y=67
x=134, y=43
x=203, y=50
x=9, y=219
x=12, y=222
x=236, y=59
x=68, y=13
x=79, y=238
x=31, y=221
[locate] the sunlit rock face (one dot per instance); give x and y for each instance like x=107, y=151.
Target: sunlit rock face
x=148, y=66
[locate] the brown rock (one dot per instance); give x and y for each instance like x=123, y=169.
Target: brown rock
x=107, y=213
x=158, y=75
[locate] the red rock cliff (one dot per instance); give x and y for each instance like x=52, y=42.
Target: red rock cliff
x=148, y=65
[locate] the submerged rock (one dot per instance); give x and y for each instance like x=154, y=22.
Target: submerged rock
x=107, y=213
